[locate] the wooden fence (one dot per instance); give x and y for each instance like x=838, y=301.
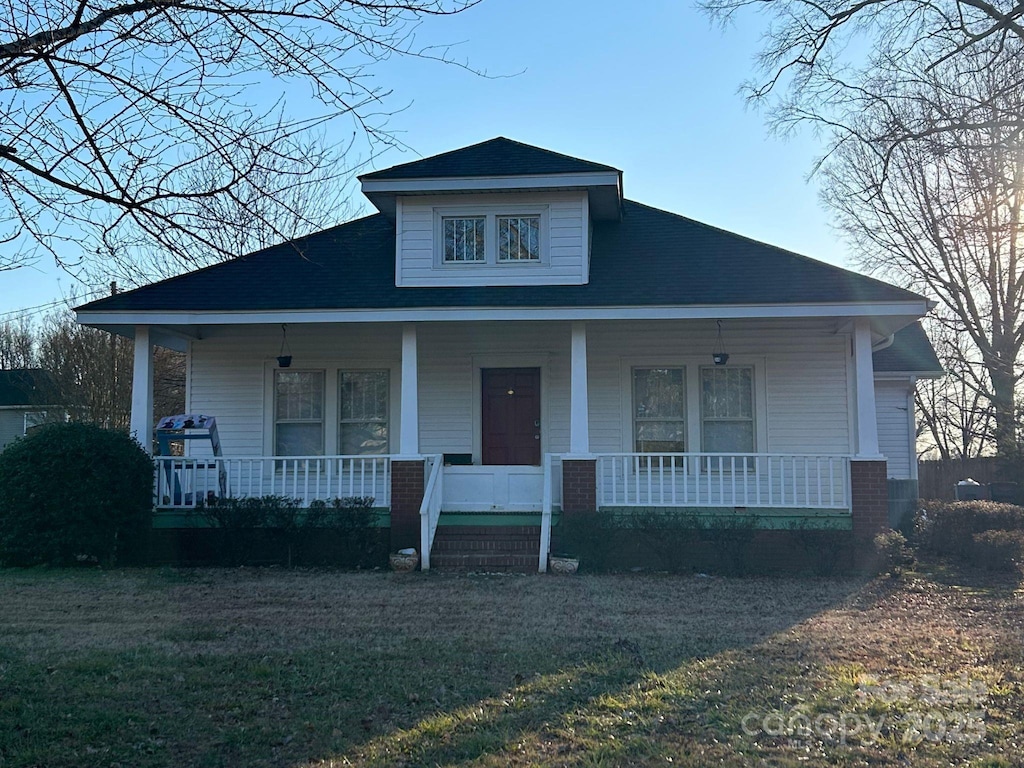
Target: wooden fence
x=937, y=479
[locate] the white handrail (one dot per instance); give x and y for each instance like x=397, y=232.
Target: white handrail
x=430, y=508
x=779, y=480
x=545, y=516
x=182, y=482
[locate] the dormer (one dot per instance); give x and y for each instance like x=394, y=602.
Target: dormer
x=498, y=213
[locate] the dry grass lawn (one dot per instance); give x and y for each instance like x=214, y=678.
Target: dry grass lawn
x=275, y=668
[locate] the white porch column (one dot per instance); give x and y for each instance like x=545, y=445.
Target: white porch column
x=409, y=435
x=864, y=377
x=579, y=407
x=141, y=426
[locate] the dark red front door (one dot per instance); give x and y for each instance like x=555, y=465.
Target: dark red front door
x=510, y=414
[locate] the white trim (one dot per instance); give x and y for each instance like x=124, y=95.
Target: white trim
x=142, y=389
x=586, y=239
x=579, y=398
x=490, y=213
x=481, y=183
x=409, y=426
x=864, y=380
x=399, y=232
x=476, y=314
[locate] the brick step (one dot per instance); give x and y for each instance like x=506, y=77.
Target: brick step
x=485, y=531
x=497, y=562
x=497, y=544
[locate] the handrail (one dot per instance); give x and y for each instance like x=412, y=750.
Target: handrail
x=430, y=508
x=545, y=517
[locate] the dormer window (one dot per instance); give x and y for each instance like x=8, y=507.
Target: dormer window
x=464, y=239
x=491, y=235
x=519, y=238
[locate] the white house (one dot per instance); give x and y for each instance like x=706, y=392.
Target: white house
x=510, y=337
x=26, y=401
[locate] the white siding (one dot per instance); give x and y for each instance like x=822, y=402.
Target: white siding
x=564, y=249
x=800, y=371
x=12, y=426
x=894, y=437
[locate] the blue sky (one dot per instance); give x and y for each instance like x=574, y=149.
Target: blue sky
x=651, y=88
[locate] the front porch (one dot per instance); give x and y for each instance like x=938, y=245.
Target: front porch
x=767, y=491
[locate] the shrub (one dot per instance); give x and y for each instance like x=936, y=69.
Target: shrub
x=72, y=493
x=893, y=553
x=997, y=550
x=947, y=528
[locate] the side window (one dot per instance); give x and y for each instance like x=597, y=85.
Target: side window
x=659, y=410
x=363, y=412
x=727, y=409
x=298, y=413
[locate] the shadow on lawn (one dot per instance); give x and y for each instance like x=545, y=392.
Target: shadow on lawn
x=620, y=699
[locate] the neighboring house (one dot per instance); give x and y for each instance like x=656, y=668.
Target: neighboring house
x=509, y=337
x=26, y=401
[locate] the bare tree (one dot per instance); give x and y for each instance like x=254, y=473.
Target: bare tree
x=943, y=215
x=826, y=61
x=17, y=344
x=122, y=117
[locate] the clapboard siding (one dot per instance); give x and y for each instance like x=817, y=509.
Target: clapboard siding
x=803, y=367
x=801, y=374
x=12, y=426
x=564, y=263
x=894, y=438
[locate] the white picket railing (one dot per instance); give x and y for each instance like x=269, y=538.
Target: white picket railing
x=182, y=482
x=797, y=481
x=430, y=508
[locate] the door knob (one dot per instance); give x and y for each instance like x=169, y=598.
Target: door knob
x=536, y=437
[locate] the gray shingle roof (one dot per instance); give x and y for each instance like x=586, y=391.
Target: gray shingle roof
x=648, y=258
x=27, y=386
x=910, y=352
x=496, y=157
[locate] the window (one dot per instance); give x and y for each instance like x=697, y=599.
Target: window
x=363, y=412
x=298, y=413
x=491, y=235
x=34, y=419
x=659, y=410
x=519, y=238
x=727, y=409
x=464, y=239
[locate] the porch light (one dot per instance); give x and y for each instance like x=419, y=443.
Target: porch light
x=284, y=360
x=720, y=356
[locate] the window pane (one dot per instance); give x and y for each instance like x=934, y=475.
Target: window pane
x=299, y=439
x=364, y=395
x=464, y=239
x=518, y=238
x=299, y=394
x=659, y=410
x=727, y=393
x=729, y=436
x=357, y=438
x=660, y=437
x=658, y=392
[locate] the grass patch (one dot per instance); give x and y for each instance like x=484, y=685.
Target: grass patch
x=261, y=667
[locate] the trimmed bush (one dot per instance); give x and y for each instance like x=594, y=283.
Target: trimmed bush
x=997, y=550
x=73, y=493
x=893, y=553
x=947, y=528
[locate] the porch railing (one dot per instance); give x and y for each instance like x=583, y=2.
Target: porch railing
x=793, y=481
x=430, y=508
x=182, y=482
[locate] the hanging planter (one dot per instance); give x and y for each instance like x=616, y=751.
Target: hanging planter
x=720, y=356
x=284, y=358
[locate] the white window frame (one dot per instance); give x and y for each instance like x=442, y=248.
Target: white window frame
x=491, y=213
x=684, y=419
x=26, y=426
x=444, y=240
x=387, y=421
x=323, y=409
x=692, y=365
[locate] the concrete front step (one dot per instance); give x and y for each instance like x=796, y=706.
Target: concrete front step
x=486, y=548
